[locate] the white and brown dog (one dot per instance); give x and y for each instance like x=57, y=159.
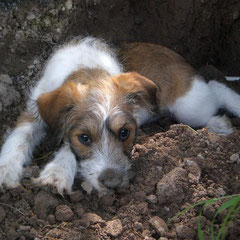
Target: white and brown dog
x=95, y=108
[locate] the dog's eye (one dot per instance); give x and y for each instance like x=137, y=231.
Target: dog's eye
x=124, y=134
x=85, y=139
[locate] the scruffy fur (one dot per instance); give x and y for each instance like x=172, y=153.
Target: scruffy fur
x=82, y=92
x=95, y=109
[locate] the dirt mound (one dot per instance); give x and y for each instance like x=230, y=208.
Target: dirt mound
x=174, y=169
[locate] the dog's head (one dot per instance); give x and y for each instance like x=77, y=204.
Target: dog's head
x=98, y=116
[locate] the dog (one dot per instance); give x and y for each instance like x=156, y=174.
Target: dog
x=85, y=98
x=94, y=108
x=180, y=89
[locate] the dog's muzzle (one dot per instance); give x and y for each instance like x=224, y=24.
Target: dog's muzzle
x=111, y=178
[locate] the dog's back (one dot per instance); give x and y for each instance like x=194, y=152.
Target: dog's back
x=86, y=52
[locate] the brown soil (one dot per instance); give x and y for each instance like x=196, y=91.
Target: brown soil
x=175, y=166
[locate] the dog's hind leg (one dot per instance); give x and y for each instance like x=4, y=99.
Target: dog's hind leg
x=18, y=147
x=198, y=107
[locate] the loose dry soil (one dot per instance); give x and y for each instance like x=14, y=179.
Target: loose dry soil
x=175, y=166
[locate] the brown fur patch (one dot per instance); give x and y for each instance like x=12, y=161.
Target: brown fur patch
x=123, y=120
x=51, y=104
x=25, y=117
x=172, y=74
x=138, y=87
x=81, y=122
x=87, y=75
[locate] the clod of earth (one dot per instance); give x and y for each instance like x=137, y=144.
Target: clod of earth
x=114, y=227
x=171, y=187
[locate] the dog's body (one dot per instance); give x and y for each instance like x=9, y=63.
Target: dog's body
x=181, y=90
x=84, y=97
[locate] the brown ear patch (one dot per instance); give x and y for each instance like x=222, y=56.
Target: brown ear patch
x=137, y=86
x=52, y=104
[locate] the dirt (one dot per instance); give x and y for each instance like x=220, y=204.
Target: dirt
x=175, y=166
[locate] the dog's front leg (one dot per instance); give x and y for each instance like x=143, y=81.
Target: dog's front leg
x=61, y=171
x=17, y=150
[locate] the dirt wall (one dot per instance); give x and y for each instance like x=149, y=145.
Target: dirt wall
x=204, y=32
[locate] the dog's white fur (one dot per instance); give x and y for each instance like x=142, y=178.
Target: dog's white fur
x=196, y=108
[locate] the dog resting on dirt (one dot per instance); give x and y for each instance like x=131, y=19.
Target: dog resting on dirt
x=94, y=109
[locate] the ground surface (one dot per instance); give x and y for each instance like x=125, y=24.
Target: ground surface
x=175, y=166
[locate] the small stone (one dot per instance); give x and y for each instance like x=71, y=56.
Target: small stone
x=140, y=196
x=51, y=219
x=76, y=196
x=27, y=172
x=193, y=169
x=31, y=66
x=220, y=192
x=12, y=234
x=159, y=168
x=33, y=232
x=234, y=158
x=19, y=35
x=167, y=208
x=143, y=208
x=63, y=213
x=86, y=186
x=80, y=211
x=184, y=232
x=159, y=225
x=193, y=179
x=172, y=187
x=4, y=78
x=172, y=235
x=149, y=238
x=47, y=22
x=149, y=189
x=2, y=214
x=8, y=94
x=24, y=228
x=213, y=137
x=93, y=218
x=31, y=16
x=1, y=106
x=152, y=199
x=107, y=200
x=146, y=233
x=114, y=227
x=139, y=179
x=68, y=4
x=84, y=222
x=44, y=202
x=138, y=225
x=163, y=238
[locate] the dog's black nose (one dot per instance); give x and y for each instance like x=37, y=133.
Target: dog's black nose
x=110, y=178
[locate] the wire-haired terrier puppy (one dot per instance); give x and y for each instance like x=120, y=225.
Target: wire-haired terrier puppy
x=95, y=109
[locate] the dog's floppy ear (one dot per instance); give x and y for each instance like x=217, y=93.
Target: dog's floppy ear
x=138, y=88
x=53, y=105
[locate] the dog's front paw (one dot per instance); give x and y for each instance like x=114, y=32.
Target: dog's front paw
x=10, y=174
x=57, y=176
